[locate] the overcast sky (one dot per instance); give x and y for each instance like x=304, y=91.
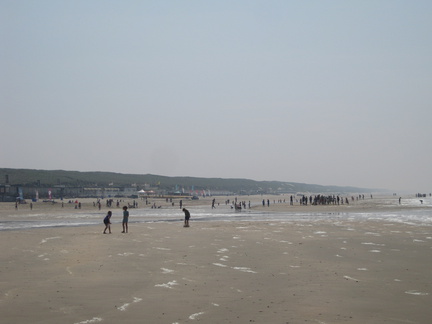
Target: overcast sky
x=320, y=92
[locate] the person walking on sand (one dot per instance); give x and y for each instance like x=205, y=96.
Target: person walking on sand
x=107, y=222
x=125, y=219
x=187, y=216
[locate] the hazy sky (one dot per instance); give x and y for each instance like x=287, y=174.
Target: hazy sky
x=321, y=92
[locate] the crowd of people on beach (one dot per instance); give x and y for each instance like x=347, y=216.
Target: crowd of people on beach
x=110, y=203
x=302, y=200
x=317, y=200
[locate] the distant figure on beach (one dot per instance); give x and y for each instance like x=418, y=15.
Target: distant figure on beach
x=400, y=200
x=187, y=216
x=107, y=222
x=125, y=219
x=181, y=203
x=213, y=203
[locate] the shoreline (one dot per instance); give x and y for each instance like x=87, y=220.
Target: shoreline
x=46, y=215
x=87, y=204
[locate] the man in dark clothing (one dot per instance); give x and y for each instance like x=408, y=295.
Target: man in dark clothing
x=187, y=216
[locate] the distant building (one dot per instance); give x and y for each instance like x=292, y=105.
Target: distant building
x=8, y=193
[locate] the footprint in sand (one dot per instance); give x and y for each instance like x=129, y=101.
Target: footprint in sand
x=169, y=284
x=320, y=233
x=244, y=269
x=43, y=256
x=93, y=320
x=195, y=316
x=49, y=238
x=220, y=265
x=125, y=306
x=416, y=292
x=370, y=243
x=165, y=271
x=350, y=278
x=372, y=233
x=222, y=251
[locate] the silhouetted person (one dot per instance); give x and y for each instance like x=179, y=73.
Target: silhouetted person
x=187, y=216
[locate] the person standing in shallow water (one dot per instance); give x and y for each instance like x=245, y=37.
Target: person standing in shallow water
x=187, y=216
x=125, y=219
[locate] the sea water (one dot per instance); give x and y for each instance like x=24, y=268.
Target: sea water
x=409, y=213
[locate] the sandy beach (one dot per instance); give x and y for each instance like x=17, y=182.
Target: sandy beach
x=218, y=272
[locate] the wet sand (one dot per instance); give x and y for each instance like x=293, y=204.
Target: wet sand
x=218, y=272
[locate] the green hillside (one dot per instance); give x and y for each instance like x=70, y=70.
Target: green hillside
x=47, y=178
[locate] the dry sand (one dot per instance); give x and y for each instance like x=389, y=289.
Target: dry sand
x=218, y=272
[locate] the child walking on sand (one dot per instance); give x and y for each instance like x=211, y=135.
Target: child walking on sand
x=107, y=222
